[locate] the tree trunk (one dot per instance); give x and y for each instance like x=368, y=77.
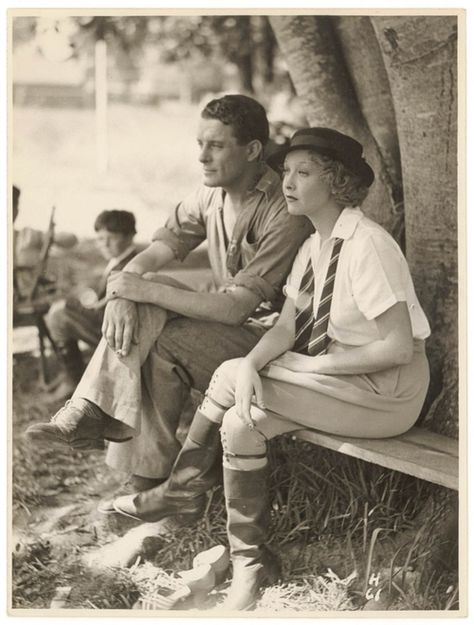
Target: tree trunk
x=268, y=51
x=420, y=54
x=243, y=57
x=364, y=62
x=318, y=71
x=245, y=68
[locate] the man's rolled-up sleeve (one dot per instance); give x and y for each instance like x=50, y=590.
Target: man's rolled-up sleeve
x=185, y=228
x=265, y=274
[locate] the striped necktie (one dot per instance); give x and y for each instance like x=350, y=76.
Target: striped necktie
x=311, y=334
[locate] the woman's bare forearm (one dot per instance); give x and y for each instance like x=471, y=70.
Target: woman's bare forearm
x=375, y=356
x=273, y=343
x=393, y=348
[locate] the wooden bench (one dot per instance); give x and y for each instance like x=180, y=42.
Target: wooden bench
x=418, y=452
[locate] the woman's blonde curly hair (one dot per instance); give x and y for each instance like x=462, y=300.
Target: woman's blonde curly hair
x=346, y=186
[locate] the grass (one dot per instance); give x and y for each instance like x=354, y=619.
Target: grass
x=322, y=593
x=36, y=573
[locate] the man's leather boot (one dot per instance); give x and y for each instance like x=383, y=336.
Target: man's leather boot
x=196, y=469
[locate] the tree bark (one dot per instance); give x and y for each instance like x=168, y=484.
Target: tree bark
x=243, y=56
x=318, y=71
x=268, y=51
x=420, y=54
x=245, y=69
x=364, y=62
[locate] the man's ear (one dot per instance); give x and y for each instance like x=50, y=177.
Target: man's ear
x=254, y=150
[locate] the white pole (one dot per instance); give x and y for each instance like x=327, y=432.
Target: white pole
x=101, y=106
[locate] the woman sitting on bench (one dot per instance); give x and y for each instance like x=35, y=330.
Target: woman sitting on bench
x=346, y=357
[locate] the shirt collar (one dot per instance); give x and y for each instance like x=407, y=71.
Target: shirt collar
x=268, y=180
x=347, y=223
x=266, y=183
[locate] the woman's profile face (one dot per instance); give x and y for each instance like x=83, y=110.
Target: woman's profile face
x=305, y=191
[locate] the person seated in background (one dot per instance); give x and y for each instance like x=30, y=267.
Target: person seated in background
x=27, y=248
x=80, y=317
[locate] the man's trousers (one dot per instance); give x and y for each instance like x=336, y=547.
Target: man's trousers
x=148, y=389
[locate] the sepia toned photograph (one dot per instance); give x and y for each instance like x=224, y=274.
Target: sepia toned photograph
x=237, y=317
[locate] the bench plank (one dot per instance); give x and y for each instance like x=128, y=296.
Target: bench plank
x=418, y=452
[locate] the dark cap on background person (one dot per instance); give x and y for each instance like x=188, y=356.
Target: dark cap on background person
x=331, y=143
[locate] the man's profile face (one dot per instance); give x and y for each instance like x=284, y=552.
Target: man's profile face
x=112, y=244
x=223, y=160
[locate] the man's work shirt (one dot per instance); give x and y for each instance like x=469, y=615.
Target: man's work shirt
x=264, y=242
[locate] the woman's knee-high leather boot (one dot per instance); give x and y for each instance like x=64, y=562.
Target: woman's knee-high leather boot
x=196, y=469
x=254, y=565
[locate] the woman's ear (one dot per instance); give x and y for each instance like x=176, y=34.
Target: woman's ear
x=254, y=150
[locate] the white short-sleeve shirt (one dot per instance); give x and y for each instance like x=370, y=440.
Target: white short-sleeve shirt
x=372, y=275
